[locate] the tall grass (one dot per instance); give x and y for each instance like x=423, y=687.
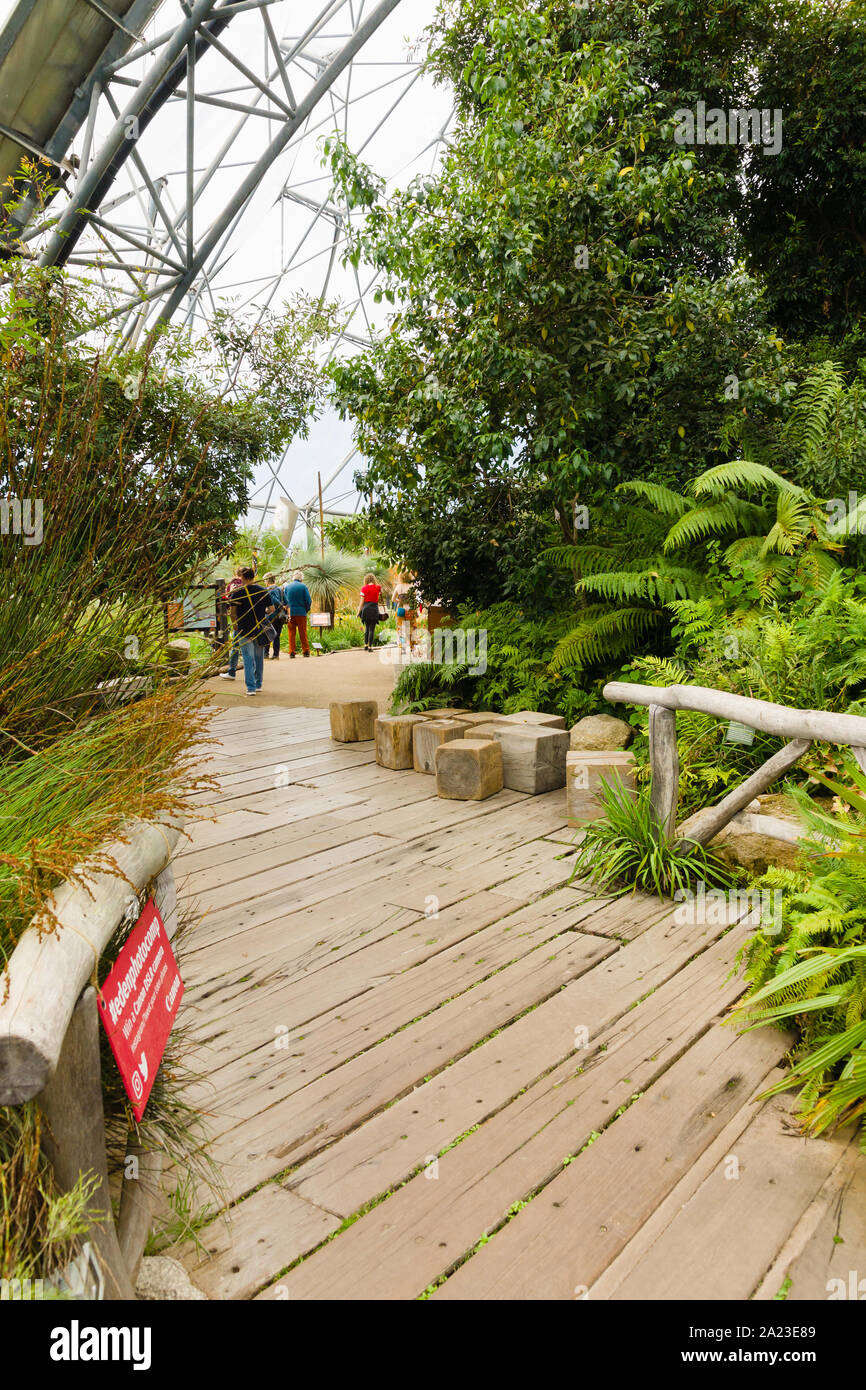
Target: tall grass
x=122, y=468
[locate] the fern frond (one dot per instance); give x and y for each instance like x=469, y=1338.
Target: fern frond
x=608, y=635
x=703, y=522
x=741, y=473
x=664, y=499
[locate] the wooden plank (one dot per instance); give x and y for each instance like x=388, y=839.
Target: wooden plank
x=372, y=1003
x=825, y=1255
x=761, y=1190
x=537, y=1118
x=257, y=1238
x=294, y=994
x=264, y=876
x=304, y=832
x=303, y=1122
x=573, y=1228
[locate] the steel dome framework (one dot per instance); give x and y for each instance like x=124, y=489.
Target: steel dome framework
x=185, y=139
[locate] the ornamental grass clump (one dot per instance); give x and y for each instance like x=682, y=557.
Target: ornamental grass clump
x=624, y=850
x=121, y=473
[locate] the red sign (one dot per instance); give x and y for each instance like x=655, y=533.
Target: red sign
x=139, y=1003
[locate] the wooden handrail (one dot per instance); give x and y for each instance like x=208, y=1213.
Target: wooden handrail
x=800, y=726
x=781, y=720
x=50, y=1030
x=48, y=971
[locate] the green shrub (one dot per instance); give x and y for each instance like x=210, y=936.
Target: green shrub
x=624, y=850
x=517, y=674
x=813, y=975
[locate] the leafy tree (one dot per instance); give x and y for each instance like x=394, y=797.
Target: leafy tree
x=172, y=429
x=545, y=343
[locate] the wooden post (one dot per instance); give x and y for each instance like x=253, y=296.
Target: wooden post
x=74, y=1137
x=707, y=823
x=665, y=766
x=136, y=1207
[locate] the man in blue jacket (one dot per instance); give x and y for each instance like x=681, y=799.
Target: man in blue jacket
x=298, y=601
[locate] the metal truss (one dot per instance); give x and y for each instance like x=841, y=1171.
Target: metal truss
x=190, y=161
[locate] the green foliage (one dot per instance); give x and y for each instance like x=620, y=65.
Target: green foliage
x=518, y=674
x=521, y=375
x=329, y=577
x=348, y=633
x=778, y=544
x=814, y=974
x=624, y=850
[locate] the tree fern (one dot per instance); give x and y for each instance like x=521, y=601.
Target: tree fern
x=741, y=473
x=663, y=499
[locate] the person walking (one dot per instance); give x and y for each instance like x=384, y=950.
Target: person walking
x=251, y=603
x=369, y=610
x=236, y=582
x=298, y=601
x=278, y=618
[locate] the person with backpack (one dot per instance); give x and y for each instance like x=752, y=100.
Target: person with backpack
x=278, y=618
x=369, y=610
x=251, y=604
x=298, y=601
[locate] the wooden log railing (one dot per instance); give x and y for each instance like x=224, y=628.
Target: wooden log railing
x=49, y=1035
x=800, y=726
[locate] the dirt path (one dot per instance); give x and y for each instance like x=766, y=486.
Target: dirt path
x=315, y=681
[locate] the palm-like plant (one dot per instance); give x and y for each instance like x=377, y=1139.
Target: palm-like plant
x=329, y=577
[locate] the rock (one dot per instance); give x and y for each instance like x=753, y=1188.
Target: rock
x=752, y=851
x=469, y=769
x=178, y=653
x=393, y=733
x=533, y=756
x=585, y=770
x=353, y=721
x=161, y=1278
x=600, y=732
x=777, y=804
x=427, y=737
x=535, y=717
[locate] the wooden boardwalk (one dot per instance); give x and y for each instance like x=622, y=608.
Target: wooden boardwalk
x=435, y=1067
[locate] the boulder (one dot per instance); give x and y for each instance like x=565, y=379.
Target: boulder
x=751, y=851
x=393, y=733
x=585, y=770
x=353, y=721
x=601, y=732
x=533, y=756
x=537, y=718
x=468, y=769
x=428, y=736
x=177, y=654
